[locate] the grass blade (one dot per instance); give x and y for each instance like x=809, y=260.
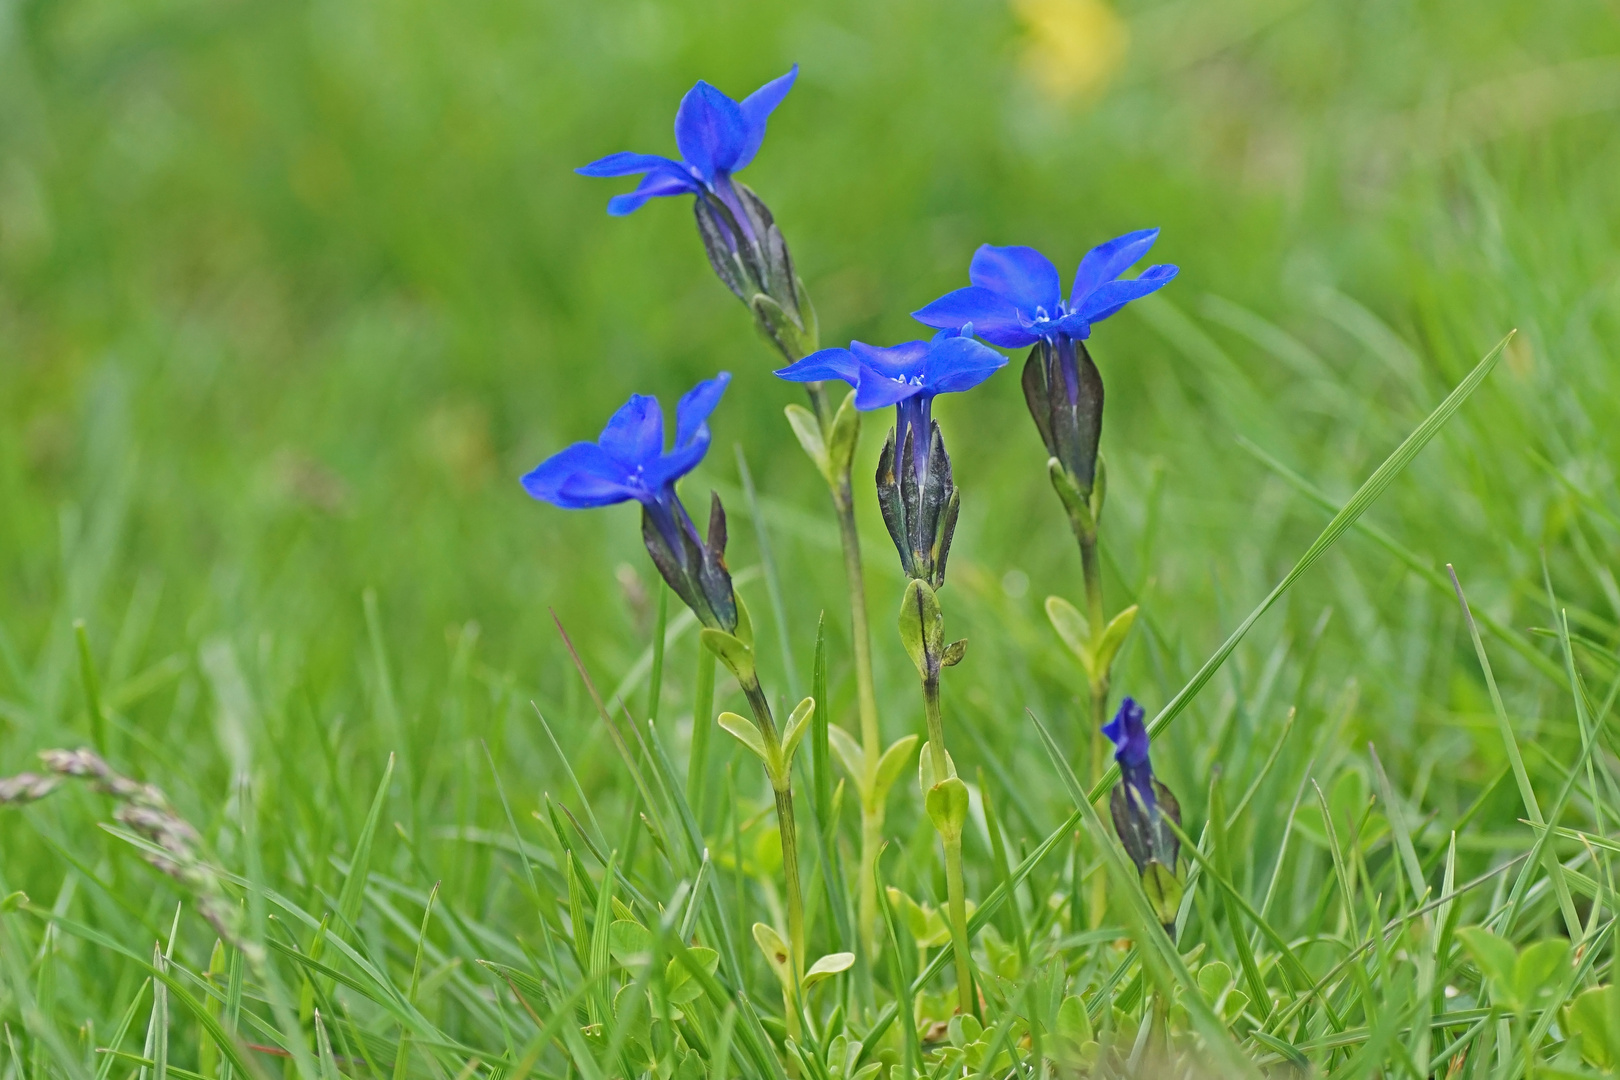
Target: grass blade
x=1510, y=744
x=1364, y=497
x=1406, y=555
x=354, y=886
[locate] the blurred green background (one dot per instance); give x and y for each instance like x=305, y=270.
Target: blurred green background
x=291, y=293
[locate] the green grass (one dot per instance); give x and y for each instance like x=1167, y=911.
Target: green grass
x=291, y=294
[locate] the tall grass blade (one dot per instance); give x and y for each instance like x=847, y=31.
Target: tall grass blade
x=1364, y=497
x=354, y=886
x=1424, y=569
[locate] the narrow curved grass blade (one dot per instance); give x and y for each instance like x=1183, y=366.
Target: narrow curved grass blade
x=1364, y=497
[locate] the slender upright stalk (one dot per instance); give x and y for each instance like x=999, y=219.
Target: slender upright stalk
x=955, y=890
x=865, y=695
x=1091, y=569
x=782, y=788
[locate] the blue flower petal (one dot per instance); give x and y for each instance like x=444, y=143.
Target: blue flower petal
x=679, y=461
x=908, y=360
x=1020, y=274
x=635, y=434
x=756, y=109
x=993, y=316
x=710, y=130
x=1076, y=326
x=1109, y=297
x=823, y=365
x=877, y=390
x=692, y=414
x=624, y=163
x=1108, y=260
x=1129, y=735
x=652, y=186
x=580, y=477
x=959, y=363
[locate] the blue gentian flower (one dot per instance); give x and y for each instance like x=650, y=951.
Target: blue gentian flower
x=1016, y=298
x=717, y=137
x=1130, y=740
x=908, y=376
x=918, y=498
x=1141, y=803
x=628, y=461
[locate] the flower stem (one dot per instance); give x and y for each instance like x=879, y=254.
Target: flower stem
x=1091, y=569
x=955, y=891
x=860, y=633
x=790, y=870
x=782, y=788
x=1090, y=566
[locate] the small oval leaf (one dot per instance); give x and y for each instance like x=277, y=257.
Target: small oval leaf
x=808, y=431
x=1113, y=636
x=846, y=432
x=947, y=805
x=1072, y=627
x=745, y=732
x=776, y=951
x=922, y=625
x=730, y=650
x=925, y=769
x=849, y=754
x=798, y=723
x=827, y=967
x=889, y=765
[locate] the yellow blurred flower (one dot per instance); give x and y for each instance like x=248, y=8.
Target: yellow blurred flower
x=1072, y=47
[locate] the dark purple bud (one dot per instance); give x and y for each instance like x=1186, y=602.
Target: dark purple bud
x=919, y=500
x=1064, y=392
x=1140, y=804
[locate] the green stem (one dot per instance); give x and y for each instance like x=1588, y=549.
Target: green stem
x=790, y=870
x=1091, y=570
x=782, y=788
x=957, y=898
x=936, y=726
x=955, y=890
x=860, y=632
